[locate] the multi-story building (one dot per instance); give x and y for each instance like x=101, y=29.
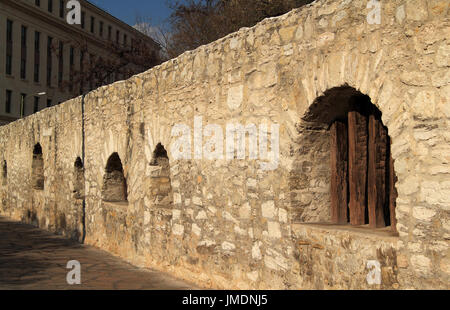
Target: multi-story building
x=41, y=55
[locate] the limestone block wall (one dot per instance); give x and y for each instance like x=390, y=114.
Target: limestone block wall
x=58, y=131
x=220, y=220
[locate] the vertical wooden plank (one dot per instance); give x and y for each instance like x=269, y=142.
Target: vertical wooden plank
x=392, y=191
x=372, y=174
x=357, y=166
x=376, y=181
x=339, y=166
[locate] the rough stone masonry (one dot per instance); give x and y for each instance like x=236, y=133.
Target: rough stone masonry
x=225, y=223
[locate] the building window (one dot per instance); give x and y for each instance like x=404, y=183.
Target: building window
x=8, y=101
x=37, y=55
x=9, y=46
x=23, y=57
x=50, y=6
x=49, y=61
x=9, y=25
x=91, y=78
x=36, y=104
x=61, y=64
x=71, y=67
x=109, y=33
x=37, y=168
x=49, y=103
x=125, y=39
x=61, y=8
x=92, y=24
x=101, y=29
x=22, y=104
x=81, y=71
x=117, y=36
x=114, y=183
x=37, y=2
x=83, y=19
x=72, y=56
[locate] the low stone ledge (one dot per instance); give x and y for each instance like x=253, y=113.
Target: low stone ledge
x=364, y=231
x=348, y=251
x=115, y=204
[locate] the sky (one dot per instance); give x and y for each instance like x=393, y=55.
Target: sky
x=153, y=11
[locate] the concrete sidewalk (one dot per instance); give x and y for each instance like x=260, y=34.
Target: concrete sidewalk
x=33, y=259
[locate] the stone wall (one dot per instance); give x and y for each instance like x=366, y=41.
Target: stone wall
x=50, y=204
x=224, y=222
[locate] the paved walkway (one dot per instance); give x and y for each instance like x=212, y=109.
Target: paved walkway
x=31, y=258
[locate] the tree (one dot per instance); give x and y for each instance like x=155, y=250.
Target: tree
x=160, y=34
x=197, y=22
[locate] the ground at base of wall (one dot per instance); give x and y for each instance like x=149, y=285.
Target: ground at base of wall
x=34, y=259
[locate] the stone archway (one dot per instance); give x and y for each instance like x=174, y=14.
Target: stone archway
x=114, y=183
x=37, y=173
x=5, y=173
x=160, y=183
x=78, y=179
x=345, y=163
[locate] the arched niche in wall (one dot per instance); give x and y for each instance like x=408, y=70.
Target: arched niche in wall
x=160, y=183
x=5, y=173
x=37, y=167
x=344, y=171
x=114, y=183
x=78, y=179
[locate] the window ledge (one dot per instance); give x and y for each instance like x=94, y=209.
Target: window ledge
x=358, y=231
x=121, y=204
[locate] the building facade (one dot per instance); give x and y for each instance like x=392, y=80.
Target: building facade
x=40, y=52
